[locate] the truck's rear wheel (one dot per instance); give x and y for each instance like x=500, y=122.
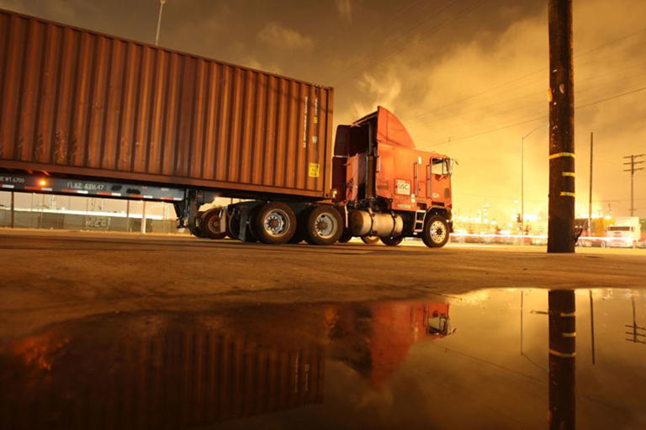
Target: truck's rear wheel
x=210, y=226
x=274, y=223
x=436, y=232
x=370, y=240
x=324, y=225
x=392, y=241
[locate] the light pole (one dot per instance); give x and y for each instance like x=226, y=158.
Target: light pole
x=522, y=174
x=161, y=10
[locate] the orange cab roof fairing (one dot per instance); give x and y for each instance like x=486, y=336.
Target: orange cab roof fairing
x=390, y=130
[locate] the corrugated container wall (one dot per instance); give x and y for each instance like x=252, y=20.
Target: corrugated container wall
x=82, y=103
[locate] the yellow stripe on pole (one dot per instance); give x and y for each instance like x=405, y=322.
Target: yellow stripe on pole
x=563, y=354
x=568, y=314
x=567, y=194
x=569, y=334
x=562, y=154
x=569, y=174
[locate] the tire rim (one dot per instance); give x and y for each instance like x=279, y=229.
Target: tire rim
x=438, y=232
x=276, y=222
x=325, y=226
x=214, y=224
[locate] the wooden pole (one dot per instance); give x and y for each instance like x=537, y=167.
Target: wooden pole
x=590, y=193
x=562, y=349
x=13, y=210
x=143, y=217
x=561, y=192
x=128, y=216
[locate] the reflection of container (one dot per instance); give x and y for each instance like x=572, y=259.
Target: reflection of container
x=153, y=372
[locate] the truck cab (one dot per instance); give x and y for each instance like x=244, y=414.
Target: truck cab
x=389, y=188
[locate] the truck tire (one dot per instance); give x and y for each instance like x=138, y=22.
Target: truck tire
x=210, y=225
x=274, y=223
x=436, y=232
x=346, y=236
x=323, y=225
x=392, y=241
x=370, y=240
x=196, y=230
x=233, y=230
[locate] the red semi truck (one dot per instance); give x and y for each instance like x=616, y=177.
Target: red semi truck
x=92, y=114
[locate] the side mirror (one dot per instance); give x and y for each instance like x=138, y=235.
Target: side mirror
x=448, y=166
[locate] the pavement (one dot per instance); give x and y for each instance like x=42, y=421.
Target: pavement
x=49, y=276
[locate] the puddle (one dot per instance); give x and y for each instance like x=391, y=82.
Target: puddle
x=479, y=360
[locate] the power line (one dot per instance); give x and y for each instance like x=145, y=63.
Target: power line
x=502, y=85
x=543, y=117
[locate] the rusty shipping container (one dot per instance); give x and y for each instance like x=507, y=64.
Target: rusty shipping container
x=85, y=104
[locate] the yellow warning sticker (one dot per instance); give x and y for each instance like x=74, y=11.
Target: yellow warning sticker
x=314, y=170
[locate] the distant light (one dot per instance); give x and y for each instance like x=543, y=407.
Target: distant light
x=42, y=183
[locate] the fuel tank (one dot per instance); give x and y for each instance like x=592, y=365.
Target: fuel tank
x=364, y=223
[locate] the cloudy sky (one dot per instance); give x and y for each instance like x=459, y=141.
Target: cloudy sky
x=468, y=77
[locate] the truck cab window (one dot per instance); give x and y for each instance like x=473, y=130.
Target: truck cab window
x=441, y=166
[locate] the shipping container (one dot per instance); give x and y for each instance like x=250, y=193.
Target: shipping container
x=81, y=103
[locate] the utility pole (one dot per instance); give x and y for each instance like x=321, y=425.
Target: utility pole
x=143, y=217
x=13, y=210
x=590, y=193
x=561, y=192
x=161, y=10
x=632, y=163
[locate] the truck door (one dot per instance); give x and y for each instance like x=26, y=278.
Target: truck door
x=438, y=179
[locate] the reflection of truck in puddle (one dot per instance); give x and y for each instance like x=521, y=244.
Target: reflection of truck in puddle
x=169, y=370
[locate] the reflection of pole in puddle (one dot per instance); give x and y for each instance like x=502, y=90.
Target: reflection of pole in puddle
x=592, y=328
x=521, y=322
x=562, y=348
x=637, y=333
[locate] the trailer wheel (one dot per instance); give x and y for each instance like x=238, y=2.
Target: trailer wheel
x=324, y=225
x=436, y=232
x=392, y=241
x=196, y=230
x=210, y=225
x=274, y=223
x=370, y=240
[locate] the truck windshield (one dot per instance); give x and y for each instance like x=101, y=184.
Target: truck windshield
x=441, y=166
x=438, y=324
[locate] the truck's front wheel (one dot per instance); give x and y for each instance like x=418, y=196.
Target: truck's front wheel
x=436, y=232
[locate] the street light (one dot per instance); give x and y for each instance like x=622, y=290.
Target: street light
x=161, y=9
x=522, y=174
